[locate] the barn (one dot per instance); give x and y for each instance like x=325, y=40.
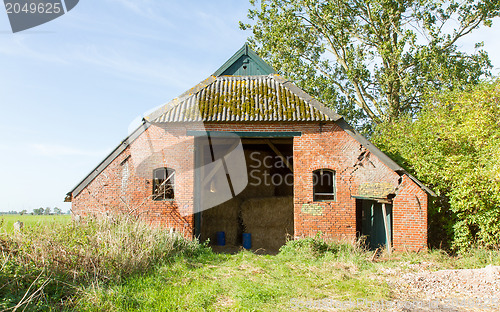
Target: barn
x=247, y=151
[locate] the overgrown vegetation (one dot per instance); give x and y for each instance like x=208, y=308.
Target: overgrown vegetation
x=454, y=146
x=45, y=266
x=121, y=265
x=117, y=264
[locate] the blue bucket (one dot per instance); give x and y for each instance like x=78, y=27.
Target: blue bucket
x=221, y=238
x=247, y=240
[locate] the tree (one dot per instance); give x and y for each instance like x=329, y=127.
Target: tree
x=454, y=146
x=57, y=211
x=38, y=211
x=378, y=55
x=47, y=211
x=22, y=212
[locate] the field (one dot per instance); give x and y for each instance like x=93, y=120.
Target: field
x=123, y=265
x=7, y=220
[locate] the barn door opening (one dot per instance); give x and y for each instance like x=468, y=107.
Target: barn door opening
x=263, y=207
x=370, y=222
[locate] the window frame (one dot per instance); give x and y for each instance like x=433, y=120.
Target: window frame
x=169, y=175
x=316, y=192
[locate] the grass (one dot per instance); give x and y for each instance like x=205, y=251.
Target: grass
x=240, y=282
x=121, y=265
x=7, y=220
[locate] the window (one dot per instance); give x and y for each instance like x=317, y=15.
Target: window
x=323, y=185
x=163, y=183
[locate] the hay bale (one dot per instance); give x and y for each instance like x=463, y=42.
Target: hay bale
x=256, y=172
x=228, y=210
x=209, y=231
x=253, y=191
x=270, y=239
x=269, y=220
x=225, y=218
x=272, y=211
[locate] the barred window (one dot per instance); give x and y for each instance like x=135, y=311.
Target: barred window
x=163, y=183
x=324, y=185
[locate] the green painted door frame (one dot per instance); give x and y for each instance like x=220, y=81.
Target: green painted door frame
x=197, y=188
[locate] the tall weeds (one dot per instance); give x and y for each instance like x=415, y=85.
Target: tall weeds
x=97, y=251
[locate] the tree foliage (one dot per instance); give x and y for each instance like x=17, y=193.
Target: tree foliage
x=372, y=58
x=38, y=211
x=454, y=146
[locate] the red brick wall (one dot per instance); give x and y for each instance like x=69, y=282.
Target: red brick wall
x=126, y=184
x=332, y=148
x=115, y=190
x=410, y=217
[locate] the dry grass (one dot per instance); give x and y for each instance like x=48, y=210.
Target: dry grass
x=48, y=264
x=66, y=257
x=97, y=249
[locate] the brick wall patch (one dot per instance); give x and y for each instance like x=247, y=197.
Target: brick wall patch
x=379, y=190
x=312, y=209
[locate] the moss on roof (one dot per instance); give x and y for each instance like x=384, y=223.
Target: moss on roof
x=255, y=98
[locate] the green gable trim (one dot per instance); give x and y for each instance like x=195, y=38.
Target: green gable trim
x=245, y=134
x=245, y=62
x=377, y=199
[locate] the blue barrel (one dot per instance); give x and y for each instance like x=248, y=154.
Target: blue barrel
x=221, y=238
x=247, y=240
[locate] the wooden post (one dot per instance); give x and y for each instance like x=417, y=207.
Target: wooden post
x=273, y=147
x=387, y=230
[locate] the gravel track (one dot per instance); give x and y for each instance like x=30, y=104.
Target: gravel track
x=446, y=290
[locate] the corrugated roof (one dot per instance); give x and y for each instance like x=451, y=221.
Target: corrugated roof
x=245, y=98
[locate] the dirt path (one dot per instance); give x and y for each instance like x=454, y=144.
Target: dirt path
x=422, y=289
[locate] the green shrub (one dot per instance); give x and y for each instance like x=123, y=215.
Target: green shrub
x=317, y=247
x=454, y=147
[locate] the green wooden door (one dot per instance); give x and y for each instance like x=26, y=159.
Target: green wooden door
x=372, y=223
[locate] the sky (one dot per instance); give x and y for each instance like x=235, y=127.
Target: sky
x=73, y=88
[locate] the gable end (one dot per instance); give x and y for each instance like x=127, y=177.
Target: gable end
x=245, y=62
